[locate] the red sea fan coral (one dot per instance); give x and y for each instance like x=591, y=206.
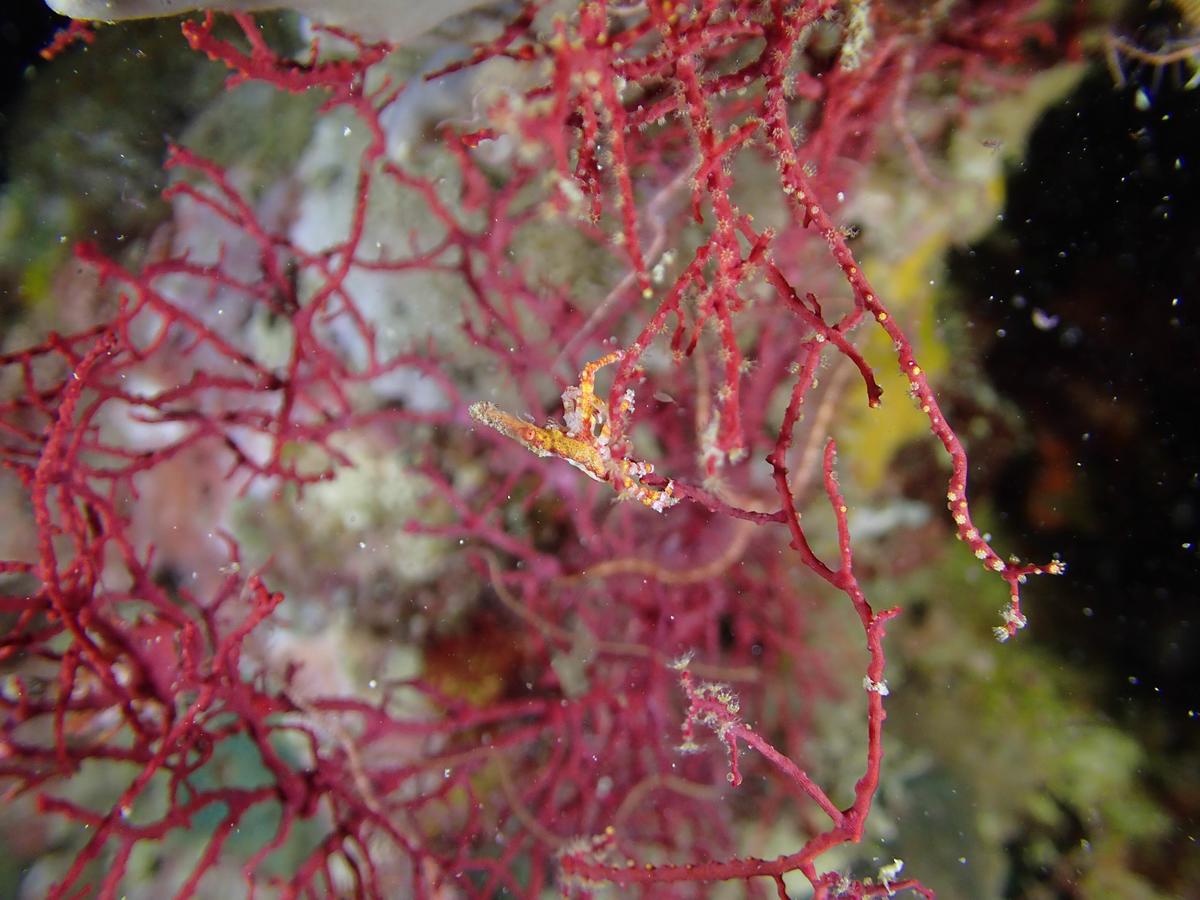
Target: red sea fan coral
x=688, y=156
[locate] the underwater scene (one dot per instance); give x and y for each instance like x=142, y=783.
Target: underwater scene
x=586, y=449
